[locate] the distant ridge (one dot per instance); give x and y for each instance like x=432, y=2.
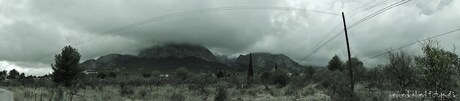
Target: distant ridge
x=169, y=57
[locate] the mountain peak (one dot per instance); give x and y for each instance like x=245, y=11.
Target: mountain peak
x=178, y=50
x=267, y=61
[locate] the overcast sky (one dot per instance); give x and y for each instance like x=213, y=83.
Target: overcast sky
x=32, y=31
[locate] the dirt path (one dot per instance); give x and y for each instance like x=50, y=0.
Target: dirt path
x=6, y=95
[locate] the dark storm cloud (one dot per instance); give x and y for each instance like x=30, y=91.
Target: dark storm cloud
x=32, y=31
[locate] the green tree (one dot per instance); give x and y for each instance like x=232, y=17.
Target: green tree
x=13, y=74
x=400, y=69
x=357, y=66
x=101, y=75
x=309, y=71
x=3, y=75
x=22, y=76
x=377, y=76
x=437, y=68
x=280, y=77
x=335, y=64
x=182, y=73
x=112, y=75
x=65, y=69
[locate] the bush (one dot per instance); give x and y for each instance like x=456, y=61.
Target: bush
x=337, y=84
x=437, y=68
x=221, y=94
x=112, y=75
x=101, y=75
x=125, y=90
x=280, y=78
x=220, y=74
x=376, y=76
x=146, y=75
x=335, y=64
x=305, y=79
x=400, y=69
x=182, y=73
x=177, y=97
x=201, y=81
x=359, y=71
x=143, y=92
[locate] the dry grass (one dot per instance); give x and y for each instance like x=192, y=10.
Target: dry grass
x=165, y=93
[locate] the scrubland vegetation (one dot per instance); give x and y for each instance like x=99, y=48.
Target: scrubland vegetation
x=434, y=70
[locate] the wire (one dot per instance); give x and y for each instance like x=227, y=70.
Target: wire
x=407, y=45
x=368, y=8
x=114, y=31
x=378, y=12
x=357, y=23
x=190, y=12
x=355, y=10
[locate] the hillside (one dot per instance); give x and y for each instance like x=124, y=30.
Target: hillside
x=197, y=58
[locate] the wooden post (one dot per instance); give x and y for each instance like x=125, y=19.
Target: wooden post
x=352, y=86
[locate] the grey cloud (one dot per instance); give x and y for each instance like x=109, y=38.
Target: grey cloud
x=39, y=29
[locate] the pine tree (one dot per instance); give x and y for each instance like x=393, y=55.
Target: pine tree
x=22, y=76
x=13, y=74
x=3, y=75
x=65, y=69
x=250, y=68
x=335, y=64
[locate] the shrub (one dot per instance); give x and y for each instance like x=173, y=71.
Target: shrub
x=335, y=64
x=125, y=90
x=143, y=92
x=400, y=69
x=280, y=78
x=337, y=83
x=146, y=75
x=220, y=74
x=200, y=81
x=359, y=71
x=155, y=73
x=309, y=72
x=101, y=75
x=377, y=76
x=437, y=68
x=221, y=94
x=112, y=75
x=177, y=97
x=182, y=73
x=265, y=79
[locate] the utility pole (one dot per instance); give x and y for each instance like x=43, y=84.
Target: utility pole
x=352, y=86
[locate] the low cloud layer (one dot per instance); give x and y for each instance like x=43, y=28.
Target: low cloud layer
x=33, y=31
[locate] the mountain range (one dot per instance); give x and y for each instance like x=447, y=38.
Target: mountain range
x=193, y=57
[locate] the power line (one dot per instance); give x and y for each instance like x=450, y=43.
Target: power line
x=190, y=12
x=368, y=8
x=337, y=26
x=407, y=45
x=357, y=23
x=329, y=33
x=355, y=12
x=379, y=12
